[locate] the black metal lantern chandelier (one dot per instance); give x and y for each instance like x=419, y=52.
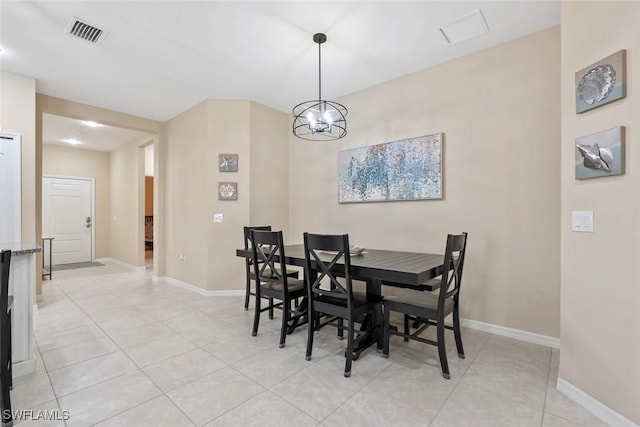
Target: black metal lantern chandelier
x=319, y=120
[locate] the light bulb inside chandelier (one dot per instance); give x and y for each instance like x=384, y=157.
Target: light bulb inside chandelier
x=319, y=120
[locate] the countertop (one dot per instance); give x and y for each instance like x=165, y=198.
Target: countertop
x=20, y=248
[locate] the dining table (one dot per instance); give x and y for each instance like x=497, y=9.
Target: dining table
x=377, y=268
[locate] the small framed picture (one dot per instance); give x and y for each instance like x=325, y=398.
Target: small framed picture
x=600, y=154
x=602, y=82
x=227, y=191
x=228, y=163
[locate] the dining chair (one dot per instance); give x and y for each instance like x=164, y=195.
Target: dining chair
x=250, y=276
x=249, y=262
x=6, y=305
x=336, y=298
x=431, y=308
x=272, y=280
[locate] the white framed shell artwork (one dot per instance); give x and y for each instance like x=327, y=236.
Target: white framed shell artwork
x=602, y=82
x=600, y=154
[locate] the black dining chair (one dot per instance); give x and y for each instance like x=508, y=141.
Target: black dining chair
x=328, y=295
x=250, y=276
x=249, y=262
x=6, y=305
x=273, y=282
x=430, y=308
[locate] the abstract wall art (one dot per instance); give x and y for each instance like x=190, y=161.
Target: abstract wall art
x=602, y=82
x=600, y=154
x=410, y=169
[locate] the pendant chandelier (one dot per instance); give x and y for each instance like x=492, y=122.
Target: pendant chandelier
x=319, y=120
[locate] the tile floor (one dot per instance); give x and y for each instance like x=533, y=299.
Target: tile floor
x=115, y=349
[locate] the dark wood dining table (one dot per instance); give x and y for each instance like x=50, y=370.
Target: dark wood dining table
x=379, y=267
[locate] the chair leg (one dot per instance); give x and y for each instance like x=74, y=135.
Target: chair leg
x=271, y=308
x=7, y=417
x=286, y=312
x=247, y=294
x=256, y=316
x=310, y=329
x=340, y=328
x=406, y=327
x=385, y=334
x=9, y=352
x=350, y=332
x=456, y=333
x=442, y=350
x=5, y=375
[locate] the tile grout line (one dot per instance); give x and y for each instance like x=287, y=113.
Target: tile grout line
x=356, y=392
x=458, y=383
x=118, y=376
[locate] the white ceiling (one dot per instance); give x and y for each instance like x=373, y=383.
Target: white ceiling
x=160, y=58
x=57, y=130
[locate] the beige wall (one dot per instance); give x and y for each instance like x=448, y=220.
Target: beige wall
x=186, y=196
x=127, y=202
x=18, y=115
x=499, y=111
x=194, y=140
x=269, y=159
x=600, y=325
x=73, y=162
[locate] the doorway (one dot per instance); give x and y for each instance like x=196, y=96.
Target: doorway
x=67, y=216
x=148, y=206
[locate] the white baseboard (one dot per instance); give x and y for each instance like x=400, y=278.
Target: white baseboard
x=193, y=288
x=117, y=261
x=517, y=334
x=593, y=405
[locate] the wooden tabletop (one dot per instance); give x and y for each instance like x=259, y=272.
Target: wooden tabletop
x=410, y=269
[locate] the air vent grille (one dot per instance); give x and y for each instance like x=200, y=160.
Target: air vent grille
x=79, y=28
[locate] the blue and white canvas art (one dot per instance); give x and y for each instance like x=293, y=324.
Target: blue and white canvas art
x=410, y=169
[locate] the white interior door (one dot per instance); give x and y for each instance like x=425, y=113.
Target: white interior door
x=67, y=217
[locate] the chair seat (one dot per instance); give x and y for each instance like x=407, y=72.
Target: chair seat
x=294, y=286
x=293, y=274
x=9, y=303
x=359, y=300
x=429, y=285
x=426, y=300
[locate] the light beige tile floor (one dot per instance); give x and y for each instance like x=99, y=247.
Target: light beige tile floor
x=116, y=349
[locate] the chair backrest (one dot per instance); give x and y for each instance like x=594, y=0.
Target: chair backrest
x=248, y=245
x=453, y=264
x=247, y=234
x=5, y=263
x=267, y=246
x=322, y=253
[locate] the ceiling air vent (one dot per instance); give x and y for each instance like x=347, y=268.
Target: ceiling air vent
x=78, y=28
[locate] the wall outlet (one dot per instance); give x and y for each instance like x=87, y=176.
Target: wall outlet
x=183, y=258
x=217, y=217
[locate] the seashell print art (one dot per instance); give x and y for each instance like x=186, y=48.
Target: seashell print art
x=600, y=154
x=597, y=84
x=595, y=157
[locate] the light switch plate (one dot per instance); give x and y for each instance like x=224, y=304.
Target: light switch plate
x=582, y=221
x=217, y=217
